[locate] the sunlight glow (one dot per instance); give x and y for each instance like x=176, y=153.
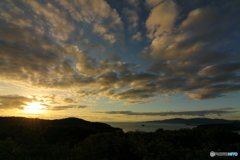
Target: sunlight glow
x=34, y=108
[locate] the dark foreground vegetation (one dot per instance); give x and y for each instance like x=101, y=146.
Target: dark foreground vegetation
x=76, y=139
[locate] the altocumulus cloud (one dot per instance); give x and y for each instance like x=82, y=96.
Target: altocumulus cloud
x=192, y=48
x=195, y=52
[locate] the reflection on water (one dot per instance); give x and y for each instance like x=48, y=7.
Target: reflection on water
x=147, y=127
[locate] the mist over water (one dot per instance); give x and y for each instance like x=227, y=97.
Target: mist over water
x=147, y=127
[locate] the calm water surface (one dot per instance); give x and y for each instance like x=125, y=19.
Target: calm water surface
x=148, y=127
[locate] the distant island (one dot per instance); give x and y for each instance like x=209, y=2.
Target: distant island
x=194, y=121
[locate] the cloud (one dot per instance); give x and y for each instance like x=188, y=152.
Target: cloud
x=105, y=20
x=69, y=100
x=189, y=39
x=35, y=47
x=152, y=3
x=58, y=25
x=69, y=45
x=110, y=37
x=194, y=56
x=220, y=68
x=161, y=18
x=137, y=36
x=218, y=112
x=58, y=108
x=134, y=3
x=131, y=17
x=86, y=64
x=99, y=29
x=83, y=93
x=48, y=98
x=118, y=65
x=141, y=85
x=214, y=91
x=14, y=101
x=130, y=103
x=132, y=94
x=112, y=101
x=175, y=67
x=100, y=11
x=43, y=63
x=208, y=80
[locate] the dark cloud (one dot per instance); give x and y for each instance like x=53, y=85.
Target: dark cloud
x=219, y=112
x=208, y=80
x=220, y=68
x=130, y=103
x=214, y=91
x=83, y=93
x=14, y=101
x=108, y=78
x=175, y=67
x=69, y=100
x=132, y=94
x=58, y=108
x=49, y=98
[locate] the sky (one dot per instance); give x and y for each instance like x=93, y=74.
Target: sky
x=120, y=60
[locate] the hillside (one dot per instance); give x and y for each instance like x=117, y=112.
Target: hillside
x=53, y=131
x=6, y=121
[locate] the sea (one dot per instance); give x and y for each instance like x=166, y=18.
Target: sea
x=147, y=127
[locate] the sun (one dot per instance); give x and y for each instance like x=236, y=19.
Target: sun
x=34, y=108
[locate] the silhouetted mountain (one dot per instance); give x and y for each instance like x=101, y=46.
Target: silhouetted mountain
x=5, y=121
x=69, y=129
x=195, y=121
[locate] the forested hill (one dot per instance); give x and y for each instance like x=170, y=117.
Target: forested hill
x=4, y=121
x=53, y=131
x=195, y=121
